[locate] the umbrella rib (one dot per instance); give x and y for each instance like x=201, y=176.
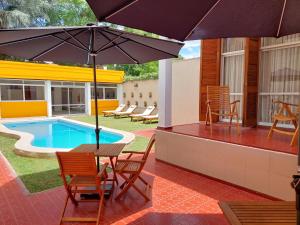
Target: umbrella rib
x=54, y=47
x=66, y=40
x=107, y=44
x=281, y=18
x=114, y=12
x=113, y=45
x=46, y=51
x=202, y=18
x=137, y=42
x=30, y=38
x=122, y=50
x=75, y=39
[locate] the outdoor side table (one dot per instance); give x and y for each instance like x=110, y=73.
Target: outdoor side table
x=110, y=151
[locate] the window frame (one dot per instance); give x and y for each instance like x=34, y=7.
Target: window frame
x=23, y=85
x=104, y=87
x=268, y=48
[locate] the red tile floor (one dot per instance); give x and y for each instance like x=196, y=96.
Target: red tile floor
x=253, y=137
x=178, y=198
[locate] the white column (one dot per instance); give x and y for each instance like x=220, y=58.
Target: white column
x=48, y=97
x=88, y=98
x=165, y=93
x=120, y=93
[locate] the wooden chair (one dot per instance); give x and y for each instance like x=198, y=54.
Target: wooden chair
x=218, y=104
x=79, y=175
x=285, y=114
x=130, y=170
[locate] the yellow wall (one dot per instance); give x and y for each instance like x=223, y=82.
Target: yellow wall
x=35, y=71
x=104, y=105
x=23, y=109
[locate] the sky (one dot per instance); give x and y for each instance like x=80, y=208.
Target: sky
x=191, y=49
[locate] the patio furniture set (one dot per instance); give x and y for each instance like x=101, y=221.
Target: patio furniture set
x=81, y=174
x=218, y=104
x=120, y=112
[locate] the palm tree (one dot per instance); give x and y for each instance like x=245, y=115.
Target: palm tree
x=24, y=13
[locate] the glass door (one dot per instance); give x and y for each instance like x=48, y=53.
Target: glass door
x=67, y=100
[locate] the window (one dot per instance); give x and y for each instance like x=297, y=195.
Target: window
x=67, y=98
x=34, y=93
x=12, y=92
x=104, y=91
x=232, y=68
x=19, y=90
x=279, y=74
x=110, y=93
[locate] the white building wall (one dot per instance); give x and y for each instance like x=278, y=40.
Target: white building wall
x=185, y=91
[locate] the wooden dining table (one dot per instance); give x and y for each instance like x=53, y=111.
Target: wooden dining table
x=260, y=212
x=111, y=151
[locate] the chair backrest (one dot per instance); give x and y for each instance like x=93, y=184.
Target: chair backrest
x=77, y=163
x=120, y=108
x=131, y=109
x=149, y=147
x=219, y=98
x=148, y=111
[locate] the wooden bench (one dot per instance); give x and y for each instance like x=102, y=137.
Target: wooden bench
x=259, y=213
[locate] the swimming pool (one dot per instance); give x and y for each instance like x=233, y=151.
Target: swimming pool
x=62, y=133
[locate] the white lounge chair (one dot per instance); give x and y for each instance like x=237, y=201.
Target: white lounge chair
x=149, y=118
x=111, y=112
x=147, y=112
x=126, y=113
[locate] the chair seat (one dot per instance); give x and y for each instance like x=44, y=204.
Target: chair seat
x=281, y=117
x=224, y=114
x=83, y=181
x=130, y=167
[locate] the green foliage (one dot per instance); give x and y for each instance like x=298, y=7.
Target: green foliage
x=141, y=71
x=71, y=13
x=21, y=13
x=149, y=76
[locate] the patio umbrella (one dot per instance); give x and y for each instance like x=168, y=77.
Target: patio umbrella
x=194, y=19
x=85, y=45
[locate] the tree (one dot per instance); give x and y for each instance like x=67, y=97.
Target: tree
x=71, y=13
x=21, y=13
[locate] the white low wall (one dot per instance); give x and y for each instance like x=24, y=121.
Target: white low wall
x=185, y=91
x=259, y=170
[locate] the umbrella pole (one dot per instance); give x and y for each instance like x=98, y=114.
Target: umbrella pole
x=97, y=130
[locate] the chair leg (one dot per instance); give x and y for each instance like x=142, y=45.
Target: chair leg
x=142, y=179
x=294, y=139
x=210, y=121
x=130, y=183
x=271, y=130
x=64, y=210
x=206, y=117
x=237, y=123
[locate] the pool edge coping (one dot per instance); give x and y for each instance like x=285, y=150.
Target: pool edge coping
x=23, y=144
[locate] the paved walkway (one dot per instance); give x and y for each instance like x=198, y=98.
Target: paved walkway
x=178, y=198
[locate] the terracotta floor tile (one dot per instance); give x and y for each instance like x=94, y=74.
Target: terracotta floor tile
x=193, y=199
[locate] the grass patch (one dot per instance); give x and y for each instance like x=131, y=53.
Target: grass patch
x=120, y=124
x=42, y=174
x=36, y=174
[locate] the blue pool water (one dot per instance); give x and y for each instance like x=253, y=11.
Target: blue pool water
x=62, y=134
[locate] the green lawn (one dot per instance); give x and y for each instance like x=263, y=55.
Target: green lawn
x=42, y=174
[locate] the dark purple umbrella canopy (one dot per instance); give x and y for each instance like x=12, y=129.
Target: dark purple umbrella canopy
x=74, y=45
x=195, y=19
